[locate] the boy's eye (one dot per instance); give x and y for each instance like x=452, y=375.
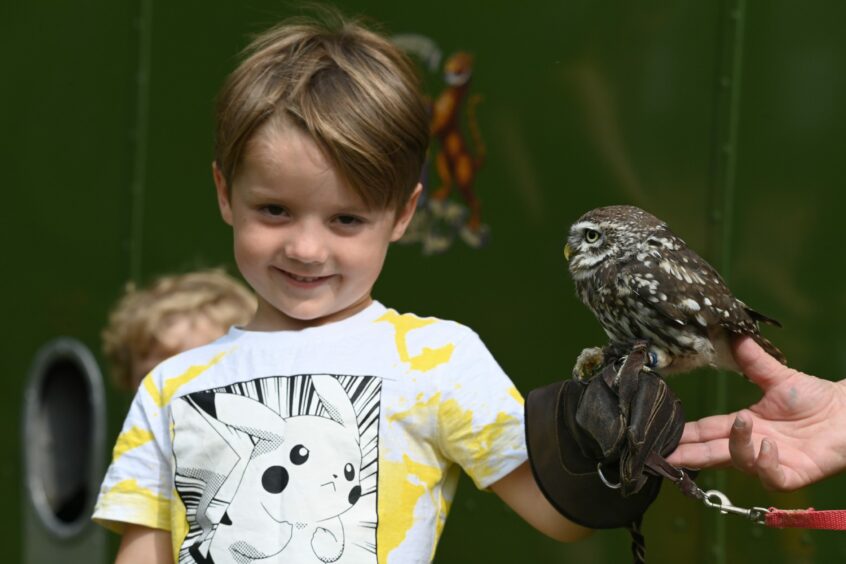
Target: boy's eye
x=274, y=210
x=348, y=220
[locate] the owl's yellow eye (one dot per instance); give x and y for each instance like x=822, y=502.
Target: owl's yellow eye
x=591, y=236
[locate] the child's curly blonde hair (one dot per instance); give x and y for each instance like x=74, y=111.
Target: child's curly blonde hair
x=141, y=314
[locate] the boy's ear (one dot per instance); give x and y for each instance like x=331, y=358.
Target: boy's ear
x=405, y=213
x=222, y=194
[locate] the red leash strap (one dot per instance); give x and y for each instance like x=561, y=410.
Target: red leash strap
x=833, y=520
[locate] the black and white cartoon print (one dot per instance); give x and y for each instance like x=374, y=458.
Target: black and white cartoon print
x=279, y=468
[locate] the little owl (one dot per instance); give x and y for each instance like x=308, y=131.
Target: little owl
x=642, y=282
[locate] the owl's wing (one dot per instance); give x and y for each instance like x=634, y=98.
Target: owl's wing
x=682, y=287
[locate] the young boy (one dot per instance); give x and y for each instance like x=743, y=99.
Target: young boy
x=173, y=314
x=330, y=428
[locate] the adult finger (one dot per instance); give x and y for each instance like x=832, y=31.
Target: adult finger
x=740, y=443
x=769, y=470
x=757, y=365
x=707, y=429
x=701, y=455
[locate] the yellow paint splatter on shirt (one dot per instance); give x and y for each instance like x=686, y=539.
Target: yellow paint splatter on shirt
x=143, y=506
x=401, y=485
x=428, y=358
x=132, y=487
x=473, y=448
x=420, y=410
x=514, y=393
x=172, y=385
x=130, y=439
x=470, y=447
x=449, y=484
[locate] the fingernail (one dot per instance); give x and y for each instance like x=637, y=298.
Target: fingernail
x=739, y=423
x=765, y=446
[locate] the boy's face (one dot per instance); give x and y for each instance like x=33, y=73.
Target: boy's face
x=304, y=241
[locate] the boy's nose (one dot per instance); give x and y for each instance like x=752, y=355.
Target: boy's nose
x=307, y=245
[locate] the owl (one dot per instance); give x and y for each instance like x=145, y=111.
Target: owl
x=642, y=282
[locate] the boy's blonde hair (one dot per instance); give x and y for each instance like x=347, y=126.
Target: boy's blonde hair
x=141, y=314
x=353, y=91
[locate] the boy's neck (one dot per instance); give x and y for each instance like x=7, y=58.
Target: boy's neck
x=268, y=318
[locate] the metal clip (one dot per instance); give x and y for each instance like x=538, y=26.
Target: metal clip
x=605, y=480
x=720, y=501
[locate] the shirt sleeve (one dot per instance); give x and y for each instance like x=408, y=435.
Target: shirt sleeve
x=480, y=420
x=137, y=488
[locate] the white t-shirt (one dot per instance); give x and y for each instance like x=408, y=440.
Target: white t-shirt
x=340, y=443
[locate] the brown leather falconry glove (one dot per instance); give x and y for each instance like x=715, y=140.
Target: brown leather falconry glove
x=609, y=424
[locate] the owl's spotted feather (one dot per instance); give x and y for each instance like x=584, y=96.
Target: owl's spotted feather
x=643, y=282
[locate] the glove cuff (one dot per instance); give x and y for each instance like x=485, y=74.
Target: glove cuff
x=566, y=477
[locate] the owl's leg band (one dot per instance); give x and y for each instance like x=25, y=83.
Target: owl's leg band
x=653, y=359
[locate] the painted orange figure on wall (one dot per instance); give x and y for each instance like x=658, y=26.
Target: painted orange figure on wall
x=456, y=165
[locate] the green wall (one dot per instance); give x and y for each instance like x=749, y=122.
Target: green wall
x=724, y=118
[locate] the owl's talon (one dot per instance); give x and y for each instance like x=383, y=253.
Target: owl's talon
x=588, y=362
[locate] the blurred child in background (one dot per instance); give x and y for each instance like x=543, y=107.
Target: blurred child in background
x=173, y=314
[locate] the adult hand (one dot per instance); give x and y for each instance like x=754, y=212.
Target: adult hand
x=794, y=436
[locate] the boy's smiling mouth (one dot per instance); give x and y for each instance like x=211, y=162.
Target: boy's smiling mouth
x=304, y=281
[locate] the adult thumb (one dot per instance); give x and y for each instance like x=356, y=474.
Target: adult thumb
x=757, y=365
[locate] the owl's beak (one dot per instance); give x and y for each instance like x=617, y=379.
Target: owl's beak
x=567, y=252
